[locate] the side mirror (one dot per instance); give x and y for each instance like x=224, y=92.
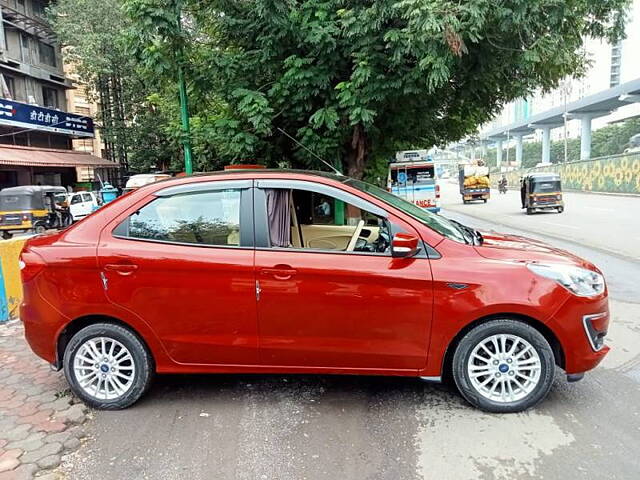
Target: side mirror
x=404, y=245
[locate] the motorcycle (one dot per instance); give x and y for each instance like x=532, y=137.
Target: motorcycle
x=502, y=188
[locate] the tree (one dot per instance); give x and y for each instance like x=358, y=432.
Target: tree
x=134, y=117
x=354, y=80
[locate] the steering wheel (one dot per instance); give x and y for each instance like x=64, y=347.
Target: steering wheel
x=383, y=241
x=356, y=235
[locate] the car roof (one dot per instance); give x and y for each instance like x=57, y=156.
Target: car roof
x=29, y=189
x=548, y=175
x=252, y=173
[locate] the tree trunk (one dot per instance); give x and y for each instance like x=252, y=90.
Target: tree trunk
x=357, y=152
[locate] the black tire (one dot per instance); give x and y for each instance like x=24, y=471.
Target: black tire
x=144, y=366
x=39, y=229
x=7, y=235
x=529, y=211
x=485, y=200
x=560, y=209
x=495, y=327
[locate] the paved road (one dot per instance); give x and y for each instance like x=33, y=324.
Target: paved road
x=607, y=222
x=317, y=427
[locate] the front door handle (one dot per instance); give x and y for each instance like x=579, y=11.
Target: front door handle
x=279, y=272
x=121, y=268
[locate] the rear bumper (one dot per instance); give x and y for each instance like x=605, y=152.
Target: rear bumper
x=579, y=344
x=41, y=324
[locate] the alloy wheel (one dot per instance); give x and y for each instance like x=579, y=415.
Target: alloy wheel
x=504, y=368
x=104, y=368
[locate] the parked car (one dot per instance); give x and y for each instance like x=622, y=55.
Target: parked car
x=298, y=272
x=82, y=204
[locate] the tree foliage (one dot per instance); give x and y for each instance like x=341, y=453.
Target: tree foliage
x=135, y=116
x=354, y=80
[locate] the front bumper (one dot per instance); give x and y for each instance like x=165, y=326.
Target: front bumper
x=547, y=205
x=583, y=347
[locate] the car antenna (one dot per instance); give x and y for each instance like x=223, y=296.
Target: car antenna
x=335, y=170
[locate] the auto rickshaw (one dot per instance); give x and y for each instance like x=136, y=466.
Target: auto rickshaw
x=540, y=191
x=31, y=208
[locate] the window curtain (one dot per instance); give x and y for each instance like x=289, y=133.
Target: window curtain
x=279, y=213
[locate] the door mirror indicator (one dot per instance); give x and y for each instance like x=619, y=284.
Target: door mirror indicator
x=404, y=245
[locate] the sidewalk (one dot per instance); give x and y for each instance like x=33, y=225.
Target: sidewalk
x=39, y=419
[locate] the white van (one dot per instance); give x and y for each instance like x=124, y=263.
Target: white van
x=81, y=204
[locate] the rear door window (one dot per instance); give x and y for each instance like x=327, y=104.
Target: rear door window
x=203, y=218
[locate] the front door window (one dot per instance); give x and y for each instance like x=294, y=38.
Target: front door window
x=303, y=219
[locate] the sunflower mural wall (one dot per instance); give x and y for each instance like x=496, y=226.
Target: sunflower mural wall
x=615, y=174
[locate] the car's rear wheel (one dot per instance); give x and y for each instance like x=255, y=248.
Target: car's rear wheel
x=503, y=366
x=107, y=366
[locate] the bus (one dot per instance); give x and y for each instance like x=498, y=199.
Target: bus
x=412, y=176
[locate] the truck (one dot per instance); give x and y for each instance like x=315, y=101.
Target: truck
x=474, y=182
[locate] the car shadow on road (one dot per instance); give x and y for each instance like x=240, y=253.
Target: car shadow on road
x=209, y=389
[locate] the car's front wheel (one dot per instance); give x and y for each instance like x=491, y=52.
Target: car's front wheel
x=503, y=366
x=107, y=366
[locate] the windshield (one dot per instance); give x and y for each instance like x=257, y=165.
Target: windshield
x=436, y=222
x=408, y=176
x=546, y=187
x=10, y=203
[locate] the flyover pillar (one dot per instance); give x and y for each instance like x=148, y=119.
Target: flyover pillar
x=518, y=138
x=499, y=153
x=546, y=145
x=585, y=137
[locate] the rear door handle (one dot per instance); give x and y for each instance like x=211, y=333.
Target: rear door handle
x=121, y=268
x=279, y=272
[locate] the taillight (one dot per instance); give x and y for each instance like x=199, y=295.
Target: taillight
x=31, y=264
x=437, y=191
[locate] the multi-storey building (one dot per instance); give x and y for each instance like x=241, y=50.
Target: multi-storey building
x=611, y=67
x=37, y=129
x=79, y=101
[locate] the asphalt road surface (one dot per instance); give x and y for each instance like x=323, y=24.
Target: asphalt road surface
x=318, y=427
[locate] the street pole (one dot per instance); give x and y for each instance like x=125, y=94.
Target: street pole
x=186, y=129
x=184, y=108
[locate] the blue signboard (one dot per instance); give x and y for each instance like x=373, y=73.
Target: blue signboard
x=23, y=115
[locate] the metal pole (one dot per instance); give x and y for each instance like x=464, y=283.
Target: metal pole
x=186, y=129
x=184, y=109
x=566, y=144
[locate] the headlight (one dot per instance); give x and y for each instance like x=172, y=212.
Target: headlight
x=580, y=281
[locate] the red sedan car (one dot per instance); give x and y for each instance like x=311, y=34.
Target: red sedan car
x=298, y=272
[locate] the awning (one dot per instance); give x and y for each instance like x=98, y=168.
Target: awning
x=49, y=157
